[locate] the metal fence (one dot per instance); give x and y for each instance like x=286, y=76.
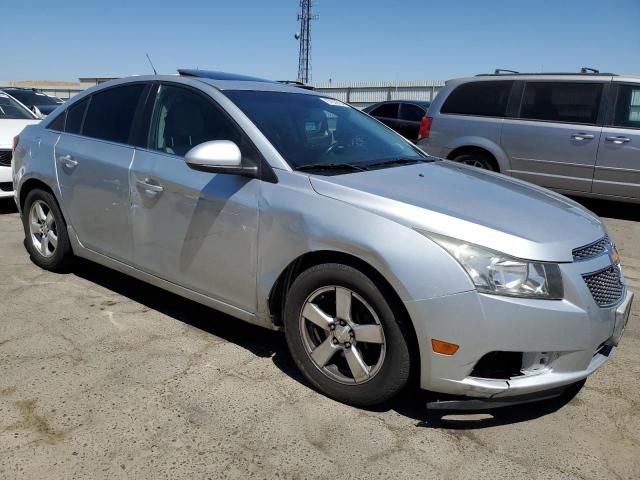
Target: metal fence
x=358, y=94
x=362, y=94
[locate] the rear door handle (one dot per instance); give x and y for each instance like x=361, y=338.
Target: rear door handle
x=67, y=161
x=151, y=189
x=582, y=136
x=618, y=140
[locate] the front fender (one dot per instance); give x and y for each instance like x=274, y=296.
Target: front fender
x=295, y=220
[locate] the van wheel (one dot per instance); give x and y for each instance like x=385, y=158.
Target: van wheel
x=45, y=230
x=478, y=159
x=344, y=337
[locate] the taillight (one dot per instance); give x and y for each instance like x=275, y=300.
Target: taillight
x=16, y=139
x=425, y=127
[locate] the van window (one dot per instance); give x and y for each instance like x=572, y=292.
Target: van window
x=567, y=102
x=485, y=99
x=628, y=107
x=75, y=114
x=110, y=114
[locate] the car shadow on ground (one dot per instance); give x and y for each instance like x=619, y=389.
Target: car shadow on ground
x=269, y=344
x=611, y=209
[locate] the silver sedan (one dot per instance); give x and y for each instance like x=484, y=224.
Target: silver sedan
x=296, y=212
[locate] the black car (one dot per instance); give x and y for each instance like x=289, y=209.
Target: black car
x=34, y=100
x=403, y=116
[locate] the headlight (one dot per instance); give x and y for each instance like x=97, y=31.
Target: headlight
x=499, y=274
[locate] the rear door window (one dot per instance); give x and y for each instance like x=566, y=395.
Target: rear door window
x=75, y=115
x=411, y=113
x=566, y=102
x=485, y=99
x=627, y=112
x=111, y=113
x=388, y=110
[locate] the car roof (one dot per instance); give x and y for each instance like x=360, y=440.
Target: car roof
x=235, y=81
x=550, y=76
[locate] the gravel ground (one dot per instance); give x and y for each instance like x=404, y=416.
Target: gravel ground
x=102, y=376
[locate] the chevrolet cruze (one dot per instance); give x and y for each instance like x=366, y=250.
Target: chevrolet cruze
x=294, y=211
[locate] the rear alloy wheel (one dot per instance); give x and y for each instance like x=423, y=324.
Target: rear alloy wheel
x=344, y=336
x=478, y=160
x=47, y=240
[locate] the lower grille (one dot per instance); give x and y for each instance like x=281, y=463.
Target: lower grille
x=5, y=158
x=605, y=285
x=6, y=186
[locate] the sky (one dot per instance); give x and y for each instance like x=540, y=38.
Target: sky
x=353, y=40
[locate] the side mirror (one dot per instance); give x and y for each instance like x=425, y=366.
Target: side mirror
x=219, y=156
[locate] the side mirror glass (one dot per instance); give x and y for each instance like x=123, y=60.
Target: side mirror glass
x=218, y=156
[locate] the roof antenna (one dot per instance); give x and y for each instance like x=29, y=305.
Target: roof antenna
x=151, y=63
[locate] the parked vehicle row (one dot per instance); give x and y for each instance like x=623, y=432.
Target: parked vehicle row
x=575, y=133
x=13, y=118
x=403, y=116
x=294, y=211
x=39, y=103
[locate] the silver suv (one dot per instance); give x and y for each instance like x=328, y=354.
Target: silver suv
x=575, y=133
x=297, y=212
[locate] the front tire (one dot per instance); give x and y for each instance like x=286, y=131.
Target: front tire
x=344, y=337
x=45, y=230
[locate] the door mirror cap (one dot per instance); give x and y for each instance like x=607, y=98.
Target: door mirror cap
x=218, y=156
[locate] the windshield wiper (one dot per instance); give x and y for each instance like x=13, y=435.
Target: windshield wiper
x=315, y=167
x=399, y=161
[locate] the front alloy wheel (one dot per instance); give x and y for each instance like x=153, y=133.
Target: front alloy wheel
x=342, y=335
x=345, y=337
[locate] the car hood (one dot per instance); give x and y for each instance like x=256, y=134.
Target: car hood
x=9, y=128
x=484, y=208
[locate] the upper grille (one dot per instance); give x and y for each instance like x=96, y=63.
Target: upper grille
x=592, y=250
x=5, y=158
x=605, y=285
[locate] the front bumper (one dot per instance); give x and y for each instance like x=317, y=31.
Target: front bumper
x=6, y=188
x=574, y=336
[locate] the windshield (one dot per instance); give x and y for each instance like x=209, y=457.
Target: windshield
x=310, y=130
x=10, y=109
x=34, y=98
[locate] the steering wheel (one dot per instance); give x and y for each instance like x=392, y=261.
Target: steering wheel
x=337, y=148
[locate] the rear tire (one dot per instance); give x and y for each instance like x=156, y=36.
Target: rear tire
x=45, y=231
x=354, y=348
x=477, y=159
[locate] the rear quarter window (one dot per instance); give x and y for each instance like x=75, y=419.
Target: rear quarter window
x=485, y=99
x=75, y=115
x=57, y=123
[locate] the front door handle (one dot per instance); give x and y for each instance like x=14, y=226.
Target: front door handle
x=582, y=136
x=68, y=161
x=151, y=189
x=618, y=140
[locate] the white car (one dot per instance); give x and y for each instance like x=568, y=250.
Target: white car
x=14, y=116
